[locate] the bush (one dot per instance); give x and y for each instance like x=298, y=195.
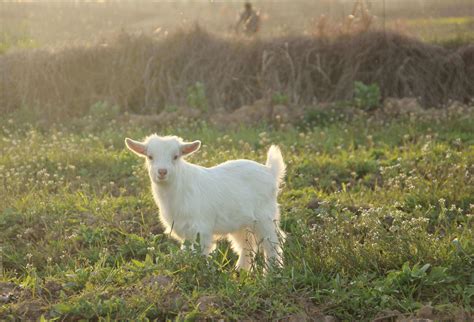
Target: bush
x=104, y=111
x=207, y=72
x=280, y=98
x=366, y=97
x=197, y=97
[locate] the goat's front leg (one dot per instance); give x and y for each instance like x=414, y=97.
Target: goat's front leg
x=187, y=246
x=207, y=244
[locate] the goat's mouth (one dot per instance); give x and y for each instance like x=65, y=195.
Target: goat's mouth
x=159, y=179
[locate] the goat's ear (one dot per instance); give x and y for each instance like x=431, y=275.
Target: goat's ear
x=136, y=147
x=190, y=147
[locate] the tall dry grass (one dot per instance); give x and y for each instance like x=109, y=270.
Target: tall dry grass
x=145, y=74
x=67, y=81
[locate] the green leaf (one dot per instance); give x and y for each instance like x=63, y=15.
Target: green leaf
x=138, y=263
x=63, y=308
x=425, y=268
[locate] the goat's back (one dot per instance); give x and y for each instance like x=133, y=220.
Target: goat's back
x=246, y=174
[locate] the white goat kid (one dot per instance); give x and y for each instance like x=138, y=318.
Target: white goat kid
x=236, y=199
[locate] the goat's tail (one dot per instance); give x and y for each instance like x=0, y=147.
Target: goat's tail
x=276, y=164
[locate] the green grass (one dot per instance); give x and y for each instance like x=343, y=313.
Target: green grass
x=379, y=216
x=16, y=36
x=442, y=21
x=446, y=31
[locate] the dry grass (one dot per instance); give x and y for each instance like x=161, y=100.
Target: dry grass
x=145, y=74
x=70, y=80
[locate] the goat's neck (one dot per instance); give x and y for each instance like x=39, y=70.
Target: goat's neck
x=176, y=187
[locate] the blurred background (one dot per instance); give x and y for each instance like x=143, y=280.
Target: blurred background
x=147, y=57
x=54, y=22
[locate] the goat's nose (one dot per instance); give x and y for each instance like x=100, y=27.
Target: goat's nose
x=162, y=172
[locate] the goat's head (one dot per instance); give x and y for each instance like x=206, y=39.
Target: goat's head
x=163, y=155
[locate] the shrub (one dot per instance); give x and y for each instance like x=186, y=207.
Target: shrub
x=366, y=97
x=149, y=73
x=104, y=111
x=280, y=98
x=197, y=96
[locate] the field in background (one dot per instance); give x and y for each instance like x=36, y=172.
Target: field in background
x=378, y=215
x=149, y=57
x=59, y=23
x=202, y=70
x=444, y=30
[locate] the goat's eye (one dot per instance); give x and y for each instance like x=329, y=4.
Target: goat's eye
x=175, y=157
x=150, y=157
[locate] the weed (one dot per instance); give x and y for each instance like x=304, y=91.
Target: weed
x=197, y=96
x=279, y=98
x=104, y=111
x=366, y=96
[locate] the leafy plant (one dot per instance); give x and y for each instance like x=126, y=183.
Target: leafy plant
x=103, y=111
x=170, y=108
x=280, y=98
x=196, y=96
x=366, y=97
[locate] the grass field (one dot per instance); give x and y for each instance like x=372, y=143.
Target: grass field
x=379, y=217
x=45, y=23
x=447, y=31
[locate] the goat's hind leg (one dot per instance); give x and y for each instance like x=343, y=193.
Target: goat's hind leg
x=243, y=243
x=270, y=236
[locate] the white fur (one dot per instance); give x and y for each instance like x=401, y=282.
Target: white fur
x=236, y=199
